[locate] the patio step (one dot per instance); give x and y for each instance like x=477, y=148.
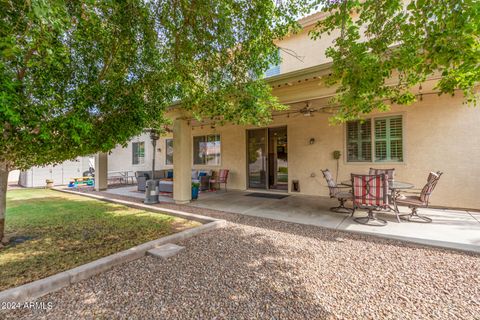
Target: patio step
x=165, y=251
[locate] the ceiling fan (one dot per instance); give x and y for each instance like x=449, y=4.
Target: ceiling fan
x=307, y=111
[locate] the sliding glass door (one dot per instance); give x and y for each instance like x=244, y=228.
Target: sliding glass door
x=267, y=158
x=277, y=158
x=257, y=158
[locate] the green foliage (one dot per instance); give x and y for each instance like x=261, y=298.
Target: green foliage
x=403, y=45
x=68, y=231
x=75, y=77
x=78, y=77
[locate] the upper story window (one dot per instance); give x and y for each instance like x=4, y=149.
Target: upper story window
x=206, y=150
x=138, y=153
x=169, y=151
x=380, y=139
x=273, y=70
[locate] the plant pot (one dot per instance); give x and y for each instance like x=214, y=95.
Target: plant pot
x=195, y=193
x=49, y=183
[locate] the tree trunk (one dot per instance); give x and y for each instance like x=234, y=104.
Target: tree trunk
x=3, y=196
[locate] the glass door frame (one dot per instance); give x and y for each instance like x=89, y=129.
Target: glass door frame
x=267, y=142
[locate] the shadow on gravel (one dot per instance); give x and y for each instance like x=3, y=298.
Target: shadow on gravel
x=226, y=274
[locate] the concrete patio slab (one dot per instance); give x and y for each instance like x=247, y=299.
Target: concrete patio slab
x=165, y=251
x=475, y=215
x=131, y=191
x=310, y=210
x=450, y=228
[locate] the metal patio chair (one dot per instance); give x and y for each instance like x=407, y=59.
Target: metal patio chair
x=390, y=173
x=222, y=177
x=370, y=192
x=419, y=201
x=339, y=192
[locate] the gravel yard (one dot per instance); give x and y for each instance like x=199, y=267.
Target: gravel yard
x=260, y=268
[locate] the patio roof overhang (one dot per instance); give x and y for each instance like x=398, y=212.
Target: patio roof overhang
x=299, y=76
x=289, y=78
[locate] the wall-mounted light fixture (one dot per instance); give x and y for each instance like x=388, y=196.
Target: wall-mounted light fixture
x=311, y=141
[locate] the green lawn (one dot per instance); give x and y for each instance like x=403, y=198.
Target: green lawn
x=68, y=230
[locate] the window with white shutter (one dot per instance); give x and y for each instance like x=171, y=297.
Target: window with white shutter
x=384, y=140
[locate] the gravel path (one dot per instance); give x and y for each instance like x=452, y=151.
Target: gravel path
x=265, y=269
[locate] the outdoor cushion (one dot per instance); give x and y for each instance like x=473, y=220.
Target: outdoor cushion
x=194, y=174
x=165, y=186
x=328, y=176
x=428, y=188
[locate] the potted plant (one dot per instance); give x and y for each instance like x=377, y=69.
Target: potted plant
x=49, y=183
x=195, y=188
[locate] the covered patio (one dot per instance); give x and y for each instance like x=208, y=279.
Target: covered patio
x=455, y=229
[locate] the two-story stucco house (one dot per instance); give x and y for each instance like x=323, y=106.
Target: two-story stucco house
x=435, y=133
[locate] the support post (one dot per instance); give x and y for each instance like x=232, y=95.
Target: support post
x=101, y=171
x=182, y=157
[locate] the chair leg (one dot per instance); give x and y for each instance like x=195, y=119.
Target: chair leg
x=371, y=220
x=398, y=217
x=397, y=212
x=415, y=217
x=341, y=208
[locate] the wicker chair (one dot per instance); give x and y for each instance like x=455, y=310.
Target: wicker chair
x=222, y=177
x=338, y=192
x=370, y=192
x=419, y=201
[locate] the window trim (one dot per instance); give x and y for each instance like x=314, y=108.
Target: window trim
x=204, y=164
x=144, y=153
x=373, y=162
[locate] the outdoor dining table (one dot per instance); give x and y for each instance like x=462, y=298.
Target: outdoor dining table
x=123, y=175
x=395, y=186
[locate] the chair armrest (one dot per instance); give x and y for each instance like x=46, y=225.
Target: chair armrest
x=412, y=191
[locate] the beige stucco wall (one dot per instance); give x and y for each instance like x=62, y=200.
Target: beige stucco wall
x=439, y=134
x=299, y=51
x=120, y=158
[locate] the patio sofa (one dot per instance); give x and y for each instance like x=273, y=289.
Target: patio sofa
x=202, y=177
x=143, y=176
x=199, y=176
